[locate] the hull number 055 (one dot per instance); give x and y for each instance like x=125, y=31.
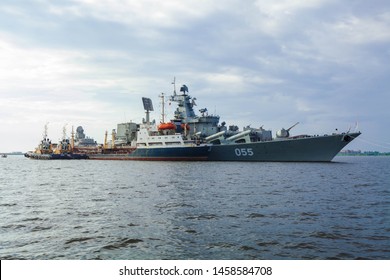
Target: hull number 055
x=244, y=152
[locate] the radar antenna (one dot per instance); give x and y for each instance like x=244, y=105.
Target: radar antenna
x=184, y=89
x=148, y=106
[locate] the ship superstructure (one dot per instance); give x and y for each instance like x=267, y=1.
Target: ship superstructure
x=185, y=117
x=207, y=127
x=149, y=141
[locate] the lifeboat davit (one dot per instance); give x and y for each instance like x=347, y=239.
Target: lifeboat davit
x=167, y=126
x=185, y=126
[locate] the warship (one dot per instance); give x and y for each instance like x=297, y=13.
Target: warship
x=201, y=137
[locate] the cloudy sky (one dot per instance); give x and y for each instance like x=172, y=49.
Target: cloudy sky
x=270, y=63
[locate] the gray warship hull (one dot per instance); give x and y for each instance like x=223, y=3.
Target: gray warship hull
x=307, y=149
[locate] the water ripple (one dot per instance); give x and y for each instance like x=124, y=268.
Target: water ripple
x=122, y=243
x=196, y=210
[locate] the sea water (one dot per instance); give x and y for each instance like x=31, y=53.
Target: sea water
x=194, y=210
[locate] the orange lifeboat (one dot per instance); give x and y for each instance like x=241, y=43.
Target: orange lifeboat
x=167, y=126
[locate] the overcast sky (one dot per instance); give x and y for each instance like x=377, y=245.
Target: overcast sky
x=270, y=63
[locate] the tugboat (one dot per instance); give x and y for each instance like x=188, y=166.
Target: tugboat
x=49, y=151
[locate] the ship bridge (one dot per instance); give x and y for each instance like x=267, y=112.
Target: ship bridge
x=204, y=125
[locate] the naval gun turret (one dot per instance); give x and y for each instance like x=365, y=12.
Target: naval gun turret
x=284, y=133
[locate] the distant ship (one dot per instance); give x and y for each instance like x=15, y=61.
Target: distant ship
x=191, y=137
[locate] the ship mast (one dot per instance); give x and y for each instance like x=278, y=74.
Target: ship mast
x=64, y=131
x=45, y=130
x=105, y=140
x=162, y=107
x=72, y=139
x=113, y=136
x=174, y=86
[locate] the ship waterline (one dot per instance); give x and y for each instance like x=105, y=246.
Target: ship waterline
x=308, y=149
x=196, y=153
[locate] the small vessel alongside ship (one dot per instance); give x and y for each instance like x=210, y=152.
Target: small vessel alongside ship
x=149, y=141
x=47, y=150
x=151, y=145
x=189, y=137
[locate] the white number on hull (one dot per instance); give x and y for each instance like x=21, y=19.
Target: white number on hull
x=244, y=152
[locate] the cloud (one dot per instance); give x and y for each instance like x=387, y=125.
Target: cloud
x=25, y=67
x=262, y=62
x=277, y=18
x=144, y=15
x=357, y=30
